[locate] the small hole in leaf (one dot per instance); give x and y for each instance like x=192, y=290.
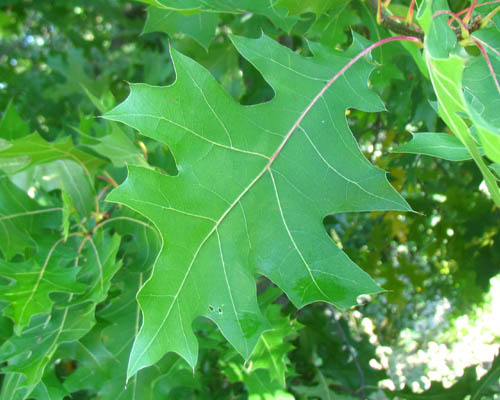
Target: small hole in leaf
x=211, y=308
x=220, y=310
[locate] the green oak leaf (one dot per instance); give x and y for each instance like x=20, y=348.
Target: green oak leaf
x=490, y=40
x=55, y=165
x=145, y=242
x=33, y=281
x=20, y=219
x=68, y=176
x=273, y=346
x=72, y=67
x=331, y=28
x=28, y=354
x=200, y=26
x=259, y=384
x=12, y=388
x=34, y=150
x=436, y=144
x=317, y=7
x=50, y=388
x=100, y=267
x=222, y=61
x=115, y=145
x=110, y=141
x=254, y=185
x=103, y=354
x=277, y=14
x=29, y=295
x=12, y=126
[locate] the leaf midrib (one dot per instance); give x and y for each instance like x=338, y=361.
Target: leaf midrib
x=240, y=196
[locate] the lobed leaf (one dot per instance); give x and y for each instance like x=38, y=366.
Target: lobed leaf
x=254, y=185
x=29, y=295
x=268, y=8
x=20, y=219
x=28, y=354
x=12, y=126
x=200, y=26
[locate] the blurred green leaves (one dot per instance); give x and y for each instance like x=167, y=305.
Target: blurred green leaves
x=72, y=263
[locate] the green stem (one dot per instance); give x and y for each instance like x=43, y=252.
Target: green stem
x=392, y=24
x=489, y=17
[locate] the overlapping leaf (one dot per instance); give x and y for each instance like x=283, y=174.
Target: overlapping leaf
x=200, y=26
x=315, y=6
x=34, y=150
x=449, y=71
x=50, y=324
x=278, y=14
x=11, y=125
x=247, y=200
x=273, y=346
x=259, y=384
x=29, y=353
x=20, y=219
x=29, y=295
x=482, y=91
x=103, y=354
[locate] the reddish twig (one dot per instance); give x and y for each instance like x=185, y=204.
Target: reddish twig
x=103, y=191
x=332, y=81
x=409, y=17
x=108, y=179
x=489, y=46
x=488, y=61
x=489, y=17
x=477, y=6
x=391, y=24
x=468, y=15
x=463, y=27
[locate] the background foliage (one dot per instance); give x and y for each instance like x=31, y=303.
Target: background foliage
x=73, y=263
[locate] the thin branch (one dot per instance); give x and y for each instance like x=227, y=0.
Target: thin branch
x=409, y=17
x=476, y=39
x=80, y=249
x=464, y=31
x=108, y=179
x=489, y=17
x=103, y=191
x=330, y=83
x=393, y=25
x=478, y=5
x=468, y=15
